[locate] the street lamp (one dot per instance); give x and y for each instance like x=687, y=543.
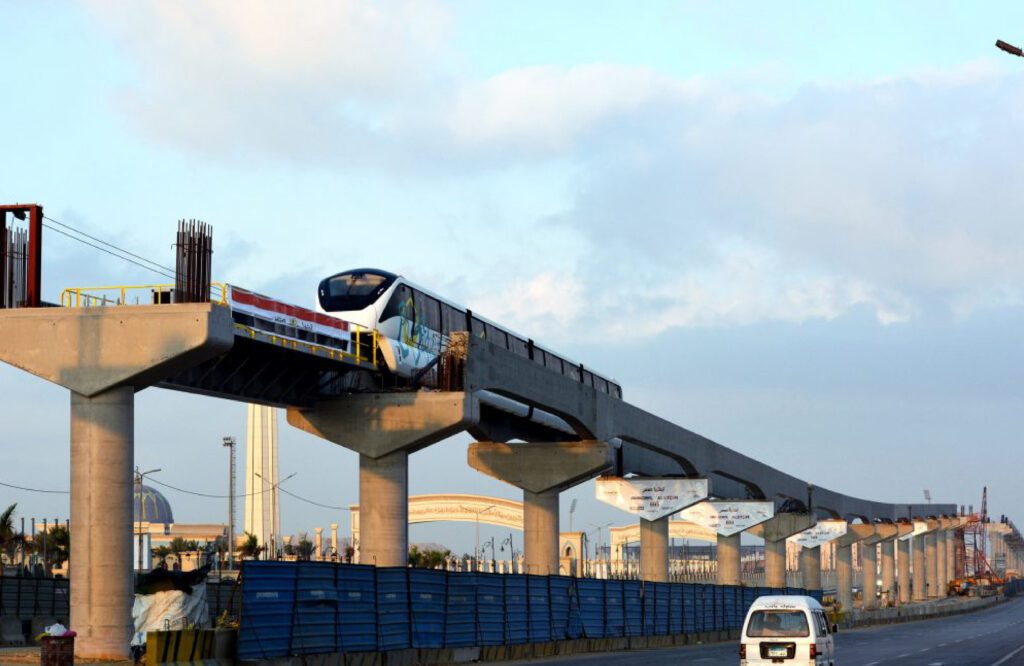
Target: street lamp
x=572, y=510
x=139, y=476
x=273, y=541
x=476, y=553
x=229, y=442
x=597, y=551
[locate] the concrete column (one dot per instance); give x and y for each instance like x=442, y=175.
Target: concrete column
x=919, y=593
x=728, y=560
x=951, y=551
x=869, y=571
x=889, y=570
x=334, y=541
x=384, y=509
x=540, y=532
x=102, y=457
x=931, y=565
x=775, y=563
x=318, y=544
x=810, y=567
x=654, y=550
x=844, y=575
x=903, y=563
x=940, y=562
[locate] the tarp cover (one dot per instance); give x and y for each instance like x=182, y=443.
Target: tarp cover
x=173, y=609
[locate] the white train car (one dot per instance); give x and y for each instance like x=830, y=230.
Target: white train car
x=413, y=324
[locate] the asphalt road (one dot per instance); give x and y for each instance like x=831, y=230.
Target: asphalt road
x=992, y=637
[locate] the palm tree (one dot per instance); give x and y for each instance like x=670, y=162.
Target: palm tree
x=6, y=530
x=58, y=546
x=161, y=553
x=251, y=547
x=304, y=551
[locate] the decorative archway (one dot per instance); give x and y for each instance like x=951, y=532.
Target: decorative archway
x=455, y=508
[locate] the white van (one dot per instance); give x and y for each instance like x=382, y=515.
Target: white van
x=786, y=630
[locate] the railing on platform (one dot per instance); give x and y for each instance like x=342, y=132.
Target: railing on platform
x=80, y=297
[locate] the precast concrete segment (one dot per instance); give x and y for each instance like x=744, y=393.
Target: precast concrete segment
x=541, y=466
x=102, y=454
x=728, y=560
x=919, y=593
x=384, y=509
x=775, y=531
x=810, y=567
x=378, y=424
x=654, y=550
x=903, y=566
x=91, y=350
x=653, y=446
x=888, y=548
x=869, y=567
x=540, y=532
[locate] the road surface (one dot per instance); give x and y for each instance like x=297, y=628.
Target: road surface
x=991, y=637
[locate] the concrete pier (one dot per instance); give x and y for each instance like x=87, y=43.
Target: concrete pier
x=102, y=458
x=104, y=355
x=384, y=509
x=728, y=560
x=654, y=550
x=903, y=569
x=540, y=532
x=919, y=577
x=542, y=470
x=931, y=565
x=869, y=570
x=844, y=561
x=810, y=567
x=775, y=531
x=888, y=552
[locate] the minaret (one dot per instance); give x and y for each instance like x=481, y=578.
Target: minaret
x=262, y=516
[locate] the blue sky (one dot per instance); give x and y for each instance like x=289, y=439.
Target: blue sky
x=790, y=228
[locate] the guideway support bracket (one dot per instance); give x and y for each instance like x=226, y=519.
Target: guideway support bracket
x=542, y=470
x=384, y=428
x=104, y=355
x=775, y=531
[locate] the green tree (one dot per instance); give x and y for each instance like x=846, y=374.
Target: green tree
x=304, y=549
x=427, y=559
x=161, y=553
x=251, y=547
x=56, y=543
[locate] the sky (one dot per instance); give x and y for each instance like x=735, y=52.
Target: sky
x=790, y=228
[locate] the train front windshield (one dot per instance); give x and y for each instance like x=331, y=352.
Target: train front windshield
x=353, y=290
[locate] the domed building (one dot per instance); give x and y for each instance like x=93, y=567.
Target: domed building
x=151, y=506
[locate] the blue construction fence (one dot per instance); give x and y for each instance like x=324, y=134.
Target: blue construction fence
x=295, y=608
x=1013, y=587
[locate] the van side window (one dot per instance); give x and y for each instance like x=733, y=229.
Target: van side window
x=822, y=623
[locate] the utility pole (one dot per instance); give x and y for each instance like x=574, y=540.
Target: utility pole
x=229, y=442
x=139, y=476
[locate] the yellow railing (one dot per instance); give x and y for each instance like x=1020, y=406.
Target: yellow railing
x=81, y=297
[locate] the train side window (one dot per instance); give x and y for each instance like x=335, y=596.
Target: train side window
x=428, y=311
x=452, y=319
x=478, y=328
x=400, y=304
x=517, y=345
x=497, y=336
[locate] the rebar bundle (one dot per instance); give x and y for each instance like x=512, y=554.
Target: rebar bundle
x=193, y=262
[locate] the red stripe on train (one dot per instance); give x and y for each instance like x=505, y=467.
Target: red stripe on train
x=264, y=303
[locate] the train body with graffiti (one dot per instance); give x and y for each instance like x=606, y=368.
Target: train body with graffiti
x=413, y=324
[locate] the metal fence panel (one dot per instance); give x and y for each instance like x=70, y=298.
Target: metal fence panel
x=268, y=605
x=632, y=604
x=564, y=623
x=517, y=619
x=614, y=609
x=593, y=602
x=662, y=608
x=460, y=628
x=393, y=628
x=539, y=608
x=490, y=604
x=428, y=590
x=315, y=629
x=357, y=608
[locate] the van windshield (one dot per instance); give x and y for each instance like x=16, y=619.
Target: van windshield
x=778, y=624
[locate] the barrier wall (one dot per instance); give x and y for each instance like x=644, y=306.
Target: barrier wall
x=295, y=608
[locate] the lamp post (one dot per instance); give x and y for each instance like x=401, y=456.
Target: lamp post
x=229, y=442
x=476, y=553
x=572, y=510
x=139, y=476
x=273, y=543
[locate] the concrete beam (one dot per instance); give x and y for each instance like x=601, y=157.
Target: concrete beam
x=92, y=350
x=378, y=424
x=775, y=531
x=542, y=466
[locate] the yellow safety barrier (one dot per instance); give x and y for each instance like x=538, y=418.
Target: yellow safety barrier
x=81, y=297
x=182, y=645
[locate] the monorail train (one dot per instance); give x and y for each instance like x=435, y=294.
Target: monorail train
x=413, y=324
